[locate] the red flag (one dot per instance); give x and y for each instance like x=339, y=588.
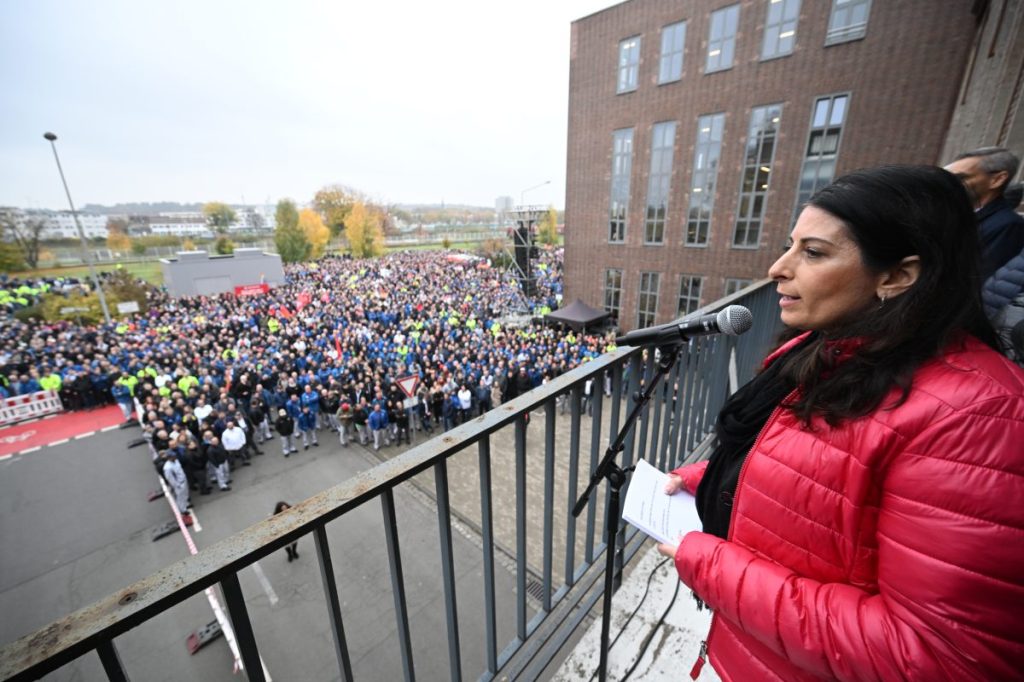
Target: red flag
x=284, y=312
x=337, y=345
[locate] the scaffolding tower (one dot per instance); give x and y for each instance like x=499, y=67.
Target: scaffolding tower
x=523, y=248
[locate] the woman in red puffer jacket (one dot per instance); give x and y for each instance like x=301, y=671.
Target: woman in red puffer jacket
x=863, y=509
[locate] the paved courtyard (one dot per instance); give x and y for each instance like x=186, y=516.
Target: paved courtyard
x=75, y=526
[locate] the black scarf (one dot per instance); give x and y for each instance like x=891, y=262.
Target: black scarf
x=739, y=423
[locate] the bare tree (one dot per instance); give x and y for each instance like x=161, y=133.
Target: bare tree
x=25, y=234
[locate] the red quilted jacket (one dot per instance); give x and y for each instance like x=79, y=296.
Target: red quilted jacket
x=888, y=548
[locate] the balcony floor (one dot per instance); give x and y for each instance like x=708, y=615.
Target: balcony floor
x=674, y=647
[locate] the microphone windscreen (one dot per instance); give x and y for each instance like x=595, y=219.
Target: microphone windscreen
x=734, y=320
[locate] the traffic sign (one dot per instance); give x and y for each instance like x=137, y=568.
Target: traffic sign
x=409, y=384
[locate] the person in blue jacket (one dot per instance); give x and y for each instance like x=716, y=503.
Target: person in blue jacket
x=307, y=427
x=378, y=422
x=293, y=406
x=311, y=399
x=122, y=393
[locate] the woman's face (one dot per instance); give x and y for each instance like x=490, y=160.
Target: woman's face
x=821, y=276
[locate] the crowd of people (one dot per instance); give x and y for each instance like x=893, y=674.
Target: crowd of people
x=854, y=514
x=217, y=377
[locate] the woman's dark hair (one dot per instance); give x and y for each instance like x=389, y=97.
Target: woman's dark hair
x=893, y=212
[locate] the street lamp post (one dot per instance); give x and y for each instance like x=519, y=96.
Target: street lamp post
x=523, y=193
x=81, y=234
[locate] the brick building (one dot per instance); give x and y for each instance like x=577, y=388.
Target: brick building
x=697, y=128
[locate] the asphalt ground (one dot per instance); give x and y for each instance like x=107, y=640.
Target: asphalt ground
x=75, y=526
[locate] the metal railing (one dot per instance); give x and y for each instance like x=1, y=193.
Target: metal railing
x=550, y=602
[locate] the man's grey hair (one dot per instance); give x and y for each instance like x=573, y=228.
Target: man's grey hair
x=994, y=160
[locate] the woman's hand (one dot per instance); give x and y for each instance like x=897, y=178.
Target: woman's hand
x=674, y=484
x=669, y=549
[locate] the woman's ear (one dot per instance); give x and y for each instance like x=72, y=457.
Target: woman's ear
x=899, y=278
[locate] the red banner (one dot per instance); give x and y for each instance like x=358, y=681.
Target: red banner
x=252, y=290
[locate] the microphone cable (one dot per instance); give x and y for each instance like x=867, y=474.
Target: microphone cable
x=650, y=636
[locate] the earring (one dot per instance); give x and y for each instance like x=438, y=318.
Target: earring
x=882, y=302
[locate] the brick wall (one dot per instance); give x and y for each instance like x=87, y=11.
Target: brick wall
x=903, y=78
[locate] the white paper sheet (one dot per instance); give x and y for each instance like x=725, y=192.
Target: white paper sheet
x=665, y=518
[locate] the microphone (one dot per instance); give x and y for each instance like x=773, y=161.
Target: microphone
x=732, y=320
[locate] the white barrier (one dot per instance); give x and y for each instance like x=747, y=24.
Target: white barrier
x=22, y=407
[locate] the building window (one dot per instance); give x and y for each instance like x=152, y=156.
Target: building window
x=663, y=137
x=647, y=303
x=780, y=28
x=705, y=176
x=819, y=164
x=734, y=284
x=689, y=293
x=673, y=44
x=722, y=38
x=613, y=292
x=622, y=165
x=629, y=64
x=757, y=170
x=849, y=21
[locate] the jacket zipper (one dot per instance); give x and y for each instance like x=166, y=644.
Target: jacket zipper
x=702, y=657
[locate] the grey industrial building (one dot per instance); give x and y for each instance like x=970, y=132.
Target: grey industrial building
x=197, y=273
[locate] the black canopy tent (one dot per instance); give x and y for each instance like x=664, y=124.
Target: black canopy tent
x=577, y=315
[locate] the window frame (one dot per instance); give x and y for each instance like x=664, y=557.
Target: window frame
x=629, y=68
x=736, y=284
x=687, y=281
x=615, y=292
x=620, y=183
x=707, y=188
x=848, y=33
x=811, y=129
x=726, y=41
x=648, y=295
x=659, y=181
x=759, y=137
x=669, y=55
x=778, y=28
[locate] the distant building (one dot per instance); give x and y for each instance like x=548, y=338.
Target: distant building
x=196, y=273
x=254, y=219
x=179, y=224
x=697, y=130
x=59, y=224
x=62, y=226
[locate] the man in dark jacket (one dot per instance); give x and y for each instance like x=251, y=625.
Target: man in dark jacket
x=217, y=459
x=360, y=417
x=195, y=467
x=285, y=425
x=986, y=172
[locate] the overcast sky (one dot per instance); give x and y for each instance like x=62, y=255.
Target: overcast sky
x=410, y=101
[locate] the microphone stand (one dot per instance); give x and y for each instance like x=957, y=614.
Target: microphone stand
x=616, y=477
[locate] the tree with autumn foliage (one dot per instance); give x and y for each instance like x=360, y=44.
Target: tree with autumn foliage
x=316, y=232
x=333, y=203
x=26, y=235
x=290, y=240
x=364, y=231
x=219, y=216
x=547, y=231
x=119, y=242
x=117, y=235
